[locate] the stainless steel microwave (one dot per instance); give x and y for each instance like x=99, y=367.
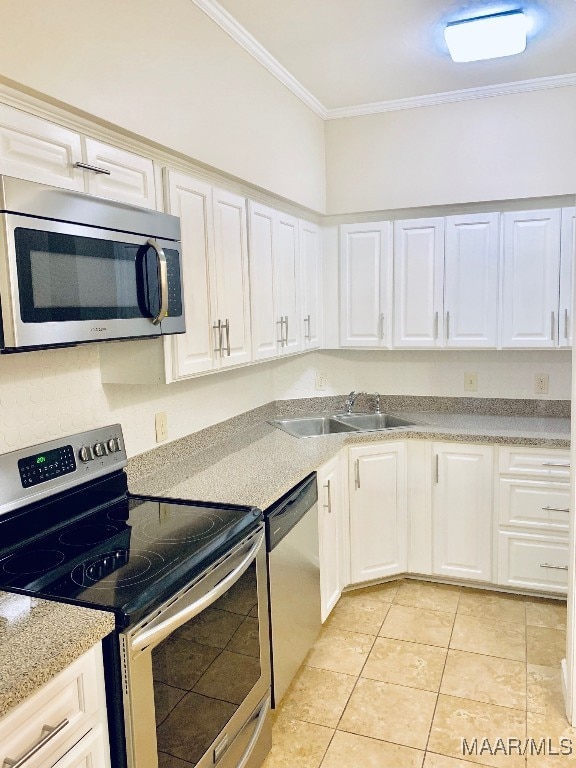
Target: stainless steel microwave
x=75, y=268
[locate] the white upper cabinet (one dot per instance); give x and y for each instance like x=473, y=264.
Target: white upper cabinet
x=567, y=249
x=311, y=284
x=471, y=281
x=365, y=284
x=277, y=325
x=37, y=150
x=121, y=176
x=531, y=279
x=418, y=283
x=215, y=274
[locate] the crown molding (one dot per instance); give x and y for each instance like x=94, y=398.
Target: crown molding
x=467, y=94
x=240, y=35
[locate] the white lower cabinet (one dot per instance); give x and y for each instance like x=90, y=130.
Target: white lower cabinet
x=462, y=511
x=63, y=724
x=330, y=513
x=378, y=511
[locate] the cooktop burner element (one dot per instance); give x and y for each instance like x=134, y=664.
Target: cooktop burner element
x=89, y=542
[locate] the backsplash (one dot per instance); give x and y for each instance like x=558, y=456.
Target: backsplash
x=51, y=393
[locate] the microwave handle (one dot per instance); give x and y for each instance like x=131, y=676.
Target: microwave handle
x=163, y=275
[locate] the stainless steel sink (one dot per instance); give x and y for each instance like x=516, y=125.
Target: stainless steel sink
x=373, y=421
x=312, y=426
x=330, y=424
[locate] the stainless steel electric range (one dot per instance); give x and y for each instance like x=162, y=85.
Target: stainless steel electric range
x=188, y=668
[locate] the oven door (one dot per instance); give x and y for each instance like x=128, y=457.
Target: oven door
x=196, y=674
x=69, y=283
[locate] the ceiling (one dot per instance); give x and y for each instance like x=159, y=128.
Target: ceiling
x=346, y=53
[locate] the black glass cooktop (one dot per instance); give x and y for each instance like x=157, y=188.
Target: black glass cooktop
x=125, y=556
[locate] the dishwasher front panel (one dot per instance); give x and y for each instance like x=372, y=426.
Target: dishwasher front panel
x=294, y=581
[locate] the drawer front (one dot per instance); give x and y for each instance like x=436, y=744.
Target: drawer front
x=535, y=563
x=65, y=704
x=534, y=462
x=534, y=504
x=92, y=751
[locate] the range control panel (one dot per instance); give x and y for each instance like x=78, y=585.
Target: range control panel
x=31, y=474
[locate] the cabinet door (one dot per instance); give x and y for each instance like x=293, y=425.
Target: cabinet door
x=462, y=511
x=265, y=325
x=330, y=498
x=378, y=511
x=287, y=282
x=471, y=281
x=130, y=178
x=567, y=248
x=418, y=282
x=38, y=150
x=232, y=276
x=92, y=751
x=196, y=350
x=531, y=279
x=311, y=285
x=365, y=284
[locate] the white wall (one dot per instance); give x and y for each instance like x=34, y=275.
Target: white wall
x=435, y=372
x=514, y=146
x=52, y=393
x=165, y=71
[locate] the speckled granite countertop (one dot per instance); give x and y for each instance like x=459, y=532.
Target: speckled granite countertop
x=246, y=460
x=38, y=639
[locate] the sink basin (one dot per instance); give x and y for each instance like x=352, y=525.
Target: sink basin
x=373, y=421
x=312, y=426
x=330, y=424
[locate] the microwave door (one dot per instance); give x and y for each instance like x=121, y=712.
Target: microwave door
x=71, y=284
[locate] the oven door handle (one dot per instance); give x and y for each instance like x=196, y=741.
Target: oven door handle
x=159, y=632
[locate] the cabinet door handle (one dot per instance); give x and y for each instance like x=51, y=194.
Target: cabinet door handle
x=47, y=733
x=447, y=325
x=218, y=327
x=553, y=325
x=555, y=464
x=286, y=332
x=329, y=497
x=308, y=332
x=436, y=325
x=555, y=509
x=382, y=325
x=357, y=473
x=436, y=468
x=554, y=567
x=227, y=329
x=281, y=324
x=93, y=168
x=566, y=322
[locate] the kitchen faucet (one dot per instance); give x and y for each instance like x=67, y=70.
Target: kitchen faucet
x=350, y=400
x=377, y=403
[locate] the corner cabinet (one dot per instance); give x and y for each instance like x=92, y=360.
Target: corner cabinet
x=366, y=285
x=215, y=275
x=277, y=325
x=64, y=723
x=378, y=511
x=37, y=150
x=330, y=522
x=311, y=284
x=462, y=527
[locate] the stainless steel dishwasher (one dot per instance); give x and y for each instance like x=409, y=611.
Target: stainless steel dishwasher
x=292, y=546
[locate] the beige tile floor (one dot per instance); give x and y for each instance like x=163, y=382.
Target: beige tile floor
x=402, y=672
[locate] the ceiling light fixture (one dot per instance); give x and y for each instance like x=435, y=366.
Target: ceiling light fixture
x=487, y=37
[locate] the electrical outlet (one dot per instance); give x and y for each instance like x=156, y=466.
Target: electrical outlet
x=320, y=381
x=470, y=382
x=541, y=384
x=161, y=427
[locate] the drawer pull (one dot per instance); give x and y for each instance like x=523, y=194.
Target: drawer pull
x=554, y=567
x=47, y=733
x=93, y=168
x=555, y=509
x=555, y=464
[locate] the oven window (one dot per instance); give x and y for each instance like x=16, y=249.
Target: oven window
x=203, y=671
x=70, y=277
